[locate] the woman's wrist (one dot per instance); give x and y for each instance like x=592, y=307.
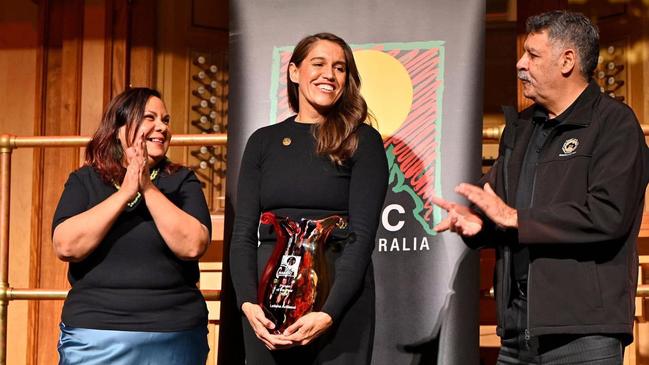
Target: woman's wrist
x=148, y=189
x=124, y=197
x=326, y=318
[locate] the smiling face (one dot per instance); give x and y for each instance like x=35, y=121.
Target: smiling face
x=321, y=78
x=155, y=125
x=539, y=69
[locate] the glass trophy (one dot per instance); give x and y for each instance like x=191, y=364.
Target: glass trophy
x=296, y=278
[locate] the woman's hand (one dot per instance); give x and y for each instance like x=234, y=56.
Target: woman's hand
x=137, y=171
x=308, y=327
x=262, y=327
x=131, y=183
x=143, y=159
x=145, y=176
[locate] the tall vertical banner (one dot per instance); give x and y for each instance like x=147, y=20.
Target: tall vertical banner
x=421, y=65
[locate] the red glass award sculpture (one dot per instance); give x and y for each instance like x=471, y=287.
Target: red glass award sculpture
x=296, y=279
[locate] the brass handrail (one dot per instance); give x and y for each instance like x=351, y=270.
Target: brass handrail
x=7, y=140
x=494, y=133
x=56, y=294
x=10, y=142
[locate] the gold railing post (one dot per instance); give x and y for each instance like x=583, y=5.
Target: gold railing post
x=5, y=191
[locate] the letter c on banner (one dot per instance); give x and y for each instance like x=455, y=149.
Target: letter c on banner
x=384, y=217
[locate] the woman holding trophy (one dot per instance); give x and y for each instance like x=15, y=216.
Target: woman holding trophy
x=309, y=198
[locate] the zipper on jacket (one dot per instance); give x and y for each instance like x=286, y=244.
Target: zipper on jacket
x=529, y=302
x=553, y=132
x=550, y=137
x=505, y=293
x=536, y=166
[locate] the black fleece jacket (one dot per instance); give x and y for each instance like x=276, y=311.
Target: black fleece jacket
x=582, y=228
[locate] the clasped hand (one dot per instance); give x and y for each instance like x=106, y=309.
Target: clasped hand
x=302, y=332
x=137, y=177
x=466, y=222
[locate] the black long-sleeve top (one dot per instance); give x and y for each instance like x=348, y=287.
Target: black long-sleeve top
x=291, y=180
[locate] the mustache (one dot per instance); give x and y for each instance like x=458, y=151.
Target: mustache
x=523, y=76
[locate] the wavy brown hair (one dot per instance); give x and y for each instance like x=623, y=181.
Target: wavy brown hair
x=104, y=152
x=336, y=136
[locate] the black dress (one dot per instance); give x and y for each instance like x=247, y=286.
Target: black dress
x=280, y=172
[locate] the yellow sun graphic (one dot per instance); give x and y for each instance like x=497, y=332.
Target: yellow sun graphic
x=386, y=87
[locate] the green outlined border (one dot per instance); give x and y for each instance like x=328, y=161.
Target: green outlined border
x=401, y=186
x=274, y=80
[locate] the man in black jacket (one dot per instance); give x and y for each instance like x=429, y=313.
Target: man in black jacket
x=562, y=205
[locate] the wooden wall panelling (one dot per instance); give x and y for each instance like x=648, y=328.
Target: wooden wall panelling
x=210, y=14
x=142, y=43
x=19, y=94
x=50, y=61
x=172, y=68
x=638, y=351
x=500, y=70
x=500, y=78
x=644, y=117
x=118, y=36
x=61, y=102
x=638, y=86
x=37, y=180
x=95, y=79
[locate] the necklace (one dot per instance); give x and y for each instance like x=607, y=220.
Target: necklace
x=137, y=198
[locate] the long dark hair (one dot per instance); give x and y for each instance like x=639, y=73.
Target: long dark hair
x=336, y=135
x=104, y=152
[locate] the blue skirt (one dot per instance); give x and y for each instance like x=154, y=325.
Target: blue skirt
x=94, y=347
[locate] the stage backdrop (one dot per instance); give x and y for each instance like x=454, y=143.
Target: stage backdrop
x=421, y=66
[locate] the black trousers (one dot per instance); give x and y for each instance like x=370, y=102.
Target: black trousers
x=519, y=347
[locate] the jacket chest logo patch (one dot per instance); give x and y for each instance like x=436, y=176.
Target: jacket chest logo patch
x=569, y=147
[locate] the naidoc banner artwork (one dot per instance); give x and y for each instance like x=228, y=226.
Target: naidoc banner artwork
x=421, y=70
